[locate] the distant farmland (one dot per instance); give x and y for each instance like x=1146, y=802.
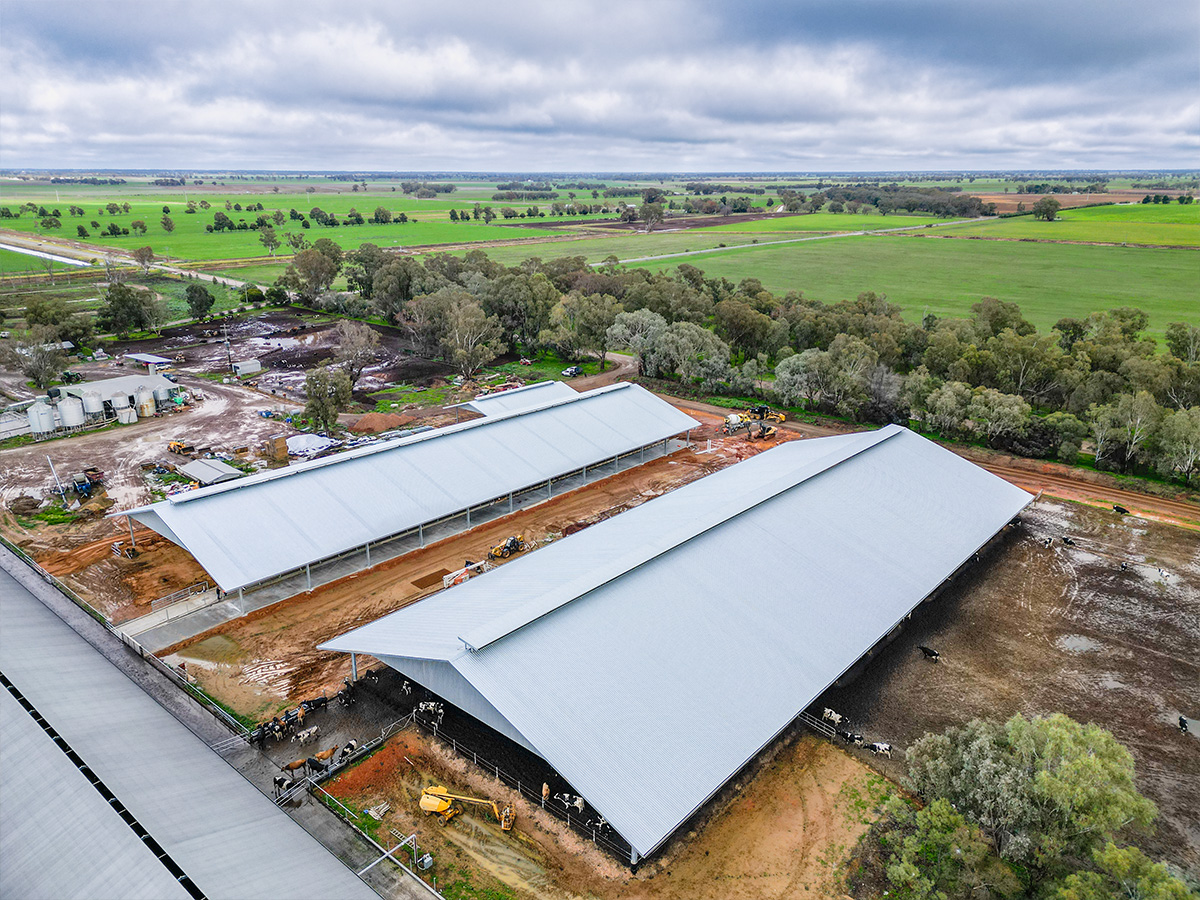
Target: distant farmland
x=945, y=277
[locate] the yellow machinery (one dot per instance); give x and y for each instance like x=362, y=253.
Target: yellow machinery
x=440, y=802
x=760, y=431
x=508, y=547
x=763, y=413
x=181, y=447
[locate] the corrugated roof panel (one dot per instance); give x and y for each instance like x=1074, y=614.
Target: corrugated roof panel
x=266, y=524
x=650, y=689
x=527, y=397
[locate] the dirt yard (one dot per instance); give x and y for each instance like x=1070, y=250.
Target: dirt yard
x=230, y=660
x=1039, y=629
x=784, y=835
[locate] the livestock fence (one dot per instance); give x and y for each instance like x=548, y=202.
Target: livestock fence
x=198, y=588
x=177, y=676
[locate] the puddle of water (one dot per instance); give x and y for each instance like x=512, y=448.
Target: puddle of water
x=1077, y=643
x=1109, y=682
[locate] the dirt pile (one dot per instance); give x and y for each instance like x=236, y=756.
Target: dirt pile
x=375, y=423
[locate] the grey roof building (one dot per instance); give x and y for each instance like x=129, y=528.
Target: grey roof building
x=258, y=527
x=156, y=813
x=639, y=661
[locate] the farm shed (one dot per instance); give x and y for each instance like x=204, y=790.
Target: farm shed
x=267, y=525
x=154, y=803
x=247, y=367
x=638, y=659
x=210, y=471
x=125, y=385
x=149, y=360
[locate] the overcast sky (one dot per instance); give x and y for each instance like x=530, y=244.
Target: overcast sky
x=561, y=85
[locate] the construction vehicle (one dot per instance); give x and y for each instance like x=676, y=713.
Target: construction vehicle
x=440, y=802
x=760, y=431
x=763, y=413
x=82, y=485
x=508, y=547
x=734, y=423
x=181, y=447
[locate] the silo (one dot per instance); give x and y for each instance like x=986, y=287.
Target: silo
x=93, y=406
x=70, y=411
x=127, y=415
x=145, y=402
x=162, y=396
x=41, y=419
x=119, y=400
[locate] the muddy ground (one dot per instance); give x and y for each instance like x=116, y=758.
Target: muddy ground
x=780, y=834
x=1038, y=630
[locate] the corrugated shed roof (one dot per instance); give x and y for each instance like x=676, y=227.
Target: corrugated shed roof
x=228, y=838
x=123, y=384
x=210, y=471
x=527, y=397
x=260, y=526
x=643, y=657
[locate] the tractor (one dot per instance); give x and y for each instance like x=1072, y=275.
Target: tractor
x=440, y=802
x=507, y=547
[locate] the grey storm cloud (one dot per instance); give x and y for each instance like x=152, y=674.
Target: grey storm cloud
x=664, y=86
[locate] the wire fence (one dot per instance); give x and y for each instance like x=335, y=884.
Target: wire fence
x=177, y=676
x=593, y=828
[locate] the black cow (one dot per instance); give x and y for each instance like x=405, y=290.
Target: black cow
x=851, y=737
x=315, y=703
x=347, y=751
x=1120, y=509
x=315, y=765
x=1068, y=541
x=929, y=652
x=1183, y=724
x=283, y=784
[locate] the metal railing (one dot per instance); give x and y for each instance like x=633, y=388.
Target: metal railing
x=178, y=677
x=198, y=588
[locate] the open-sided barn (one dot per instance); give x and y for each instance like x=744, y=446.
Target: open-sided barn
x=648, y=658
x=257, y=528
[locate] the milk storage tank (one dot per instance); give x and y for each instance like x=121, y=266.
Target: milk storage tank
x=162, y=396
x=127, y=416
x=70, y=410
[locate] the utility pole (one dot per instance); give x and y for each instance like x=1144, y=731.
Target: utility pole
x=228, y=354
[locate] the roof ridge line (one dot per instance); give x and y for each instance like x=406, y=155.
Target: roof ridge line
x=563, y=594
x=314, y=464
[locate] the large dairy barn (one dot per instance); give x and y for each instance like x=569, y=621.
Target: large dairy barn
x=355, y=509
x=607, y=652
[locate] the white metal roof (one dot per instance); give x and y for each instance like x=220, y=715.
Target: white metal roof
x=526, y=397
x=210, y=471
x=148, y=359
x=123, y=384
x=225, y=835
x=649, y=657
x=266, y=524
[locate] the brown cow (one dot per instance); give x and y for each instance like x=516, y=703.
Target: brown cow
x=325, y=754
x=292, y=766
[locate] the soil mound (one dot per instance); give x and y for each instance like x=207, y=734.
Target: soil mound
x=374, y=423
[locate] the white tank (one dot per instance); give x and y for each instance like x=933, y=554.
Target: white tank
x=162, y=395
x=70, y=411
x=145, y=401
x=119, y=401
x=127, y=416
x=41, y=419
x=93, y=405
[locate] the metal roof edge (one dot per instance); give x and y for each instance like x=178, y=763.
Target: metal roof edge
x=497, y=394
x=311, y=465
x=563, y=594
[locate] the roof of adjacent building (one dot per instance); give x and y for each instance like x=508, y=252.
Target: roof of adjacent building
x=210, y=471
x=651, y=656
x=59, y=837
x=516, y=399
x=148, y=359
x=274, y=522
x=123, y=384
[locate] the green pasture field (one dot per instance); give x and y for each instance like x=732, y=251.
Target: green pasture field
x=824, y=221
x=945, y=277
x=13, y=262
x=623, y=245
x=1139, y=223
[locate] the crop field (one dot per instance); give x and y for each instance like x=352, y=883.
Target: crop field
x=945, y=277
x=1141, y=223
x=824, y=221
x=11, y=262
x=623, y=245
